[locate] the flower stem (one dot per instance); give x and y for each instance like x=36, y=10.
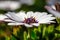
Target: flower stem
x=29, y=34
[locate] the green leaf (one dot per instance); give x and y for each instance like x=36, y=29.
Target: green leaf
x=58, y=28
x=1, y=31
x=33, y=35
x=13, y=38
x=57, y=35
x=7, y=38
x=58, y=20
x=50, y=28
x=39, y=28
x=25, y=35
x=44, y=31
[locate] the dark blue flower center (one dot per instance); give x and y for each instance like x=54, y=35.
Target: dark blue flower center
x=30, y=20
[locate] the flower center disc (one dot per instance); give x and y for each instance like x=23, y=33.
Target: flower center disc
x=30, y=20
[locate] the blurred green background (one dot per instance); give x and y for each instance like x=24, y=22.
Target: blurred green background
x=42, y=32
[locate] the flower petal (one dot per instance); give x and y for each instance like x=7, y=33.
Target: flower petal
x=43, y=17
x=46, y=17
x=30, y=14
x=27, y=25
x=46, y=22
x=8, y=20
x=54, y=12
x=38, y=15
x=13, y=16
x=53, y=7
x=28, y=2
x=21, y=15
x=15, y=24
x=2, y=17
x=35, y=24
x=14, y=5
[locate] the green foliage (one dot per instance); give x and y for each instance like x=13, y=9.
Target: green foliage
x=13, y=38
x=58, y=20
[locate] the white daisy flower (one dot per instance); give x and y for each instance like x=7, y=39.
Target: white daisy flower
x=14, y=4
x=9, y=5
x=53, y=11
x=28, y=19
x=51, y=7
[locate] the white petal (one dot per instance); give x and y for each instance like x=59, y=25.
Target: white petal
x=38, y=15
x=11, y=5
x=53, y=7
x=15, y=24
x=27, y=25
x=3, y=5
x=50, y=18
x=52, y=22
x=14, y=5
x=30, y=14
x=28, y=2
x=46, y=22
x=2, y=17
x=21, y=15
x=35, y=24
x=46, y=17
x=8, y=20
x=50, y=15
x=45, y=13
x=13, y=16
x=54, y=12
